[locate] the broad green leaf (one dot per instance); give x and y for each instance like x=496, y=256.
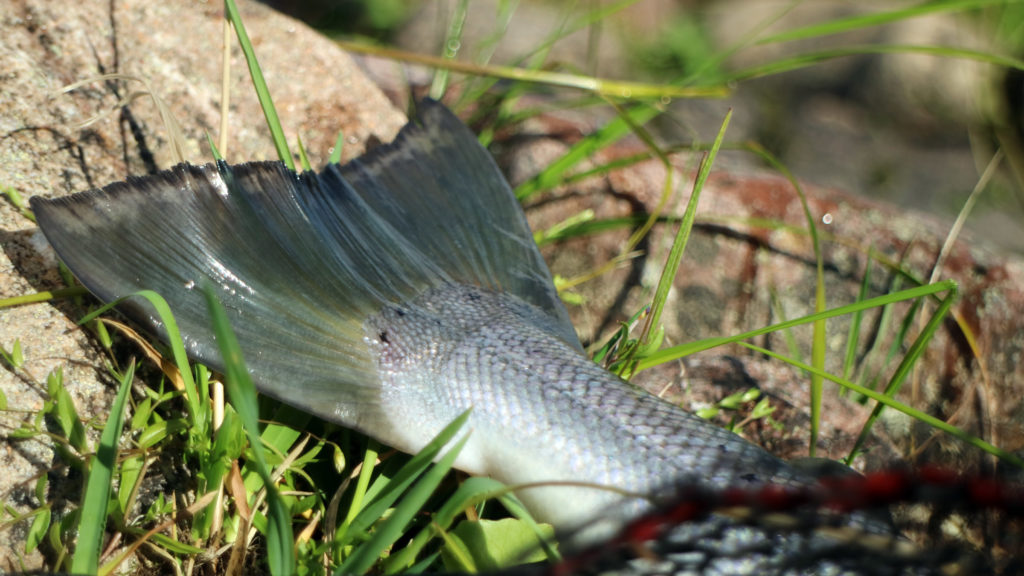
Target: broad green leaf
x=497, y=544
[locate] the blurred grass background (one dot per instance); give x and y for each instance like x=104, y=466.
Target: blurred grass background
x=913, y=129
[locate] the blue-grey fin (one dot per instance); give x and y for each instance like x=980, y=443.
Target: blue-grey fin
x=296, y=284
x=300, y=261
x=443, y=190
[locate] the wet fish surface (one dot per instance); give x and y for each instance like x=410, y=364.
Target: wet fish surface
x=391, y=294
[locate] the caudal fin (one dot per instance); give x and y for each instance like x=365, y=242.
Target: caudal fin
x=300, y=261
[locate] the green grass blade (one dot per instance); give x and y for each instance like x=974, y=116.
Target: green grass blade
x=42, y=296
x=258, y=82
x=471, y=492
x=813, y=58
x=651, y=338
x=18, y=202
x=197, y=404
x=905, y=366
x=362, y=483
x=900, y=407
x=886, y=321
x=65, y=414
x=242, y=393
x=531, y=65
x=391, y=529
x=478, y=86
x=861, y=21
x=601, y=86
x=883, y=325
x=422, y=566
x=452, y=43
x=676, y=352
x=570, y=25
x=850, y=358
x=668, y=274
x=93, y=517
x=339, y=145
x=36, y=533
x=303, y=158
x=213, y=148
x=818, y=339
x=608, y=134
x=906, y=325
x=401, y=481
x=611, y=165
x=585, y=226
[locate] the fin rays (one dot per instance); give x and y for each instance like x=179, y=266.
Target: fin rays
x=301, y=261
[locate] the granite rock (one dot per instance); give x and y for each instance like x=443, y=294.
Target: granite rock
x=175, y=47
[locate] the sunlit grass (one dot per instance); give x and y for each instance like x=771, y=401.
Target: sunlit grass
x=325, y=501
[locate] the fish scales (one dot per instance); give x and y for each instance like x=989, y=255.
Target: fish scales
x=573, y=420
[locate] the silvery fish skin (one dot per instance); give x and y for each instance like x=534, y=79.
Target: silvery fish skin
x=390, y=295
x=543, y=411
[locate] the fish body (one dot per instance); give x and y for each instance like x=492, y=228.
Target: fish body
x=542, y=411
x=390, y=295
